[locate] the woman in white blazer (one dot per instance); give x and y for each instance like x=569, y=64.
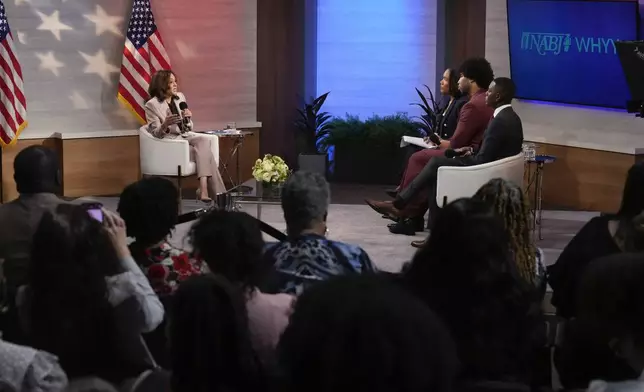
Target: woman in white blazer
x=166, y=120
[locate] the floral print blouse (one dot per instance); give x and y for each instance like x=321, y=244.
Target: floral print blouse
x=166, y=266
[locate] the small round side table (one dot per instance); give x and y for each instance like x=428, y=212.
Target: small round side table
x=535, y=184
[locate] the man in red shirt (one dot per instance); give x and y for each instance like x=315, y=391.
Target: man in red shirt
x=475, y=77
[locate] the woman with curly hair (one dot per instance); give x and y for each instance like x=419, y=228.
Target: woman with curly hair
x=510, y=203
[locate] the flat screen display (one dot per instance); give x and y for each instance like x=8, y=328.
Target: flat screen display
x=564, y=50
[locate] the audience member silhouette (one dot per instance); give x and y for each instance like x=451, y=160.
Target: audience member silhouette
x=510, y=203
x=611, y=304
x=471, y=281
x=577, y=359
x=150, y=210
x=38, y=179
x=601, y=236
x=361, y=333
x=232, y=245
x=87, y=301
x=210, y=340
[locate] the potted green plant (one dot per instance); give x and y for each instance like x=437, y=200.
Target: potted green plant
x=430, y=109
x=312, y=126
x=368, y=152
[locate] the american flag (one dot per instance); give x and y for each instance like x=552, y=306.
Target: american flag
x=13, y=105
x=143, y=55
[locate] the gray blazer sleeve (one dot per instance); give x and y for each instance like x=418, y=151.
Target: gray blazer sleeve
x=155, y=123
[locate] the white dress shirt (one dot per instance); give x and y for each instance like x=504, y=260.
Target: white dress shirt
x=498, y=110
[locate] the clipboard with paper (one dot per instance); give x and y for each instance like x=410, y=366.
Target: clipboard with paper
x=417, y=141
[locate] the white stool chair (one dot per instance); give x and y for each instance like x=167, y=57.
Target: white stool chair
x=170, y=157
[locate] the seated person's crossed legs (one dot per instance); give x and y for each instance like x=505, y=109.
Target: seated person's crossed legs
x=423, y=184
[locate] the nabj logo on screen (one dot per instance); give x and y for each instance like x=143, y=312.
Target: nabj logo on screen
x=555, y=44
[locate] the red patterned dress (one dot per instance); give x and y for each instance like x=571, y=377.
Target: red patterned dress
x=166, y=266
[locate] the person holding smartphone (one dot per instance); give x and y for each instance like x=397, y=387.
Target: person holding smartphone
x=167, y=116
x=86, y=300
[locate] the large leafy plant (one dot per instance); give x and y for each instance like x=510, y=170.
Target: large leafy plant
x=374, y=132
x=313, y=125
x=430, y=109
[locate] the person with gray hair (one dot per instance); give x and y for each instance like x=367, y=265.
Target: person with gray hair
x=307, y=256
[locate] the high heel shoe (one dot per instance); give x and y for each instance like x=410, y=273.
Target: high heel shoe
x=206, y=200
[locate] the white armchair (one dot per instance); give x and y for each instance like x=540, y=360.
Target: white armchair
x=170, y=157
x=455, y=182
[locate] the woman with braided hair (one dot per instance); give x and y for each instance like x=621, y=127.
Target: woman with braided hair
x=510, y=204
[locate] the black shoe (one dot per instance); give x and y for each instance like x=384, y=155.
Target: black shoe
x=419, y=223
x=391, y=193
x=405, y=227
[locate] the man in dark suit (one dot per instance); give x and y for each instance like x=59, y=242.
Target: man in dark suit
x=503, y=138
x=38, y=178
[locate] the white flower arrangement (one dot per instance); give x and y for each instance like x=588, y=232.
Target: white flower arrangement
x=271, y=169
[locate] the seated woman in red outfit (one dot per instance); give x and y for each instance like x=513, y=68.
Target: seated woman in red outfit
x=451, y=103
x=473, y=117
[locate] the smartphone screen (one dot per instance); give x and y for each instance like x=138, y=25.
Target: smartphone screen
x=95, y=210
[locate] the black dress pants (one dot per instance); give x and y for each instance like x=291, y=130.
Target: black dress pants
x=428, y=179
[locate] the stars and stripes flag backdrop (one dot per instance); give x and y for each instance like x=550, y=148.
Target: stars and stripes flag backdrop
x=143, y=55
x=13, y=105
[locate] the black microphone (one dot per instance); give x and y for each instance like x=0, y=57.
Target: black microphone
x=450, y=153
x=173, y=107
x=174, y=111
x=183, y=106
x=434, y=138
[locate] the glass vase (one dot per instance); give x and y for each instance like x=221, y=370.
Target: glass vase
x=271, y=190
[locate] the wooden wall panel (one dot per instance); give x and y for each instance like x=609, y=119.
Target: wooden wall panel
x=99, y=166
x=213, y=48
x=582, y=179
x=283, y=70
x=9, y=191
x=464, y=30
x=104, y=166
